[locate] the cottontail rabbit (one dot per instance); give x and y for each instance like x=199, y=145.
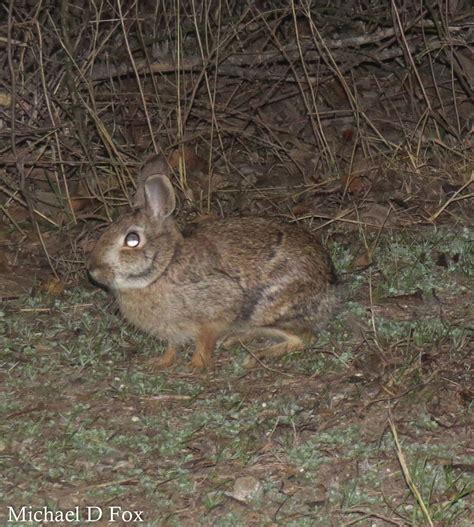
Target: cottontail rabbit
x=248, y=275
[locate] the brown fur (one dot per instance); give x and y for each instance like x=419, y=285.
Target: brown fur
x=246, y=274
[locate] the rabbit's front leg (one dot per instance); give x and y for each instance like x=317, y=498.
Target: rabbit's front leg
x=165, y=361
x=205, y=344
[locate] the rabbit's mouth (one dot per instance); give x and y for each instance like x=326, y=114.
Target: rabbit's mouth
x=105, y=278
x=96, y=283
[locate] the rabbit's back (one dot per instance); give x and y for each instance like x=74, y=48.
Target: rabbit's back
x=257, y=251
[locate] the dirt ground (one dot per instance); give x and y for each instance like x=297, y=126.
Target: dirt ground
x=371, y=426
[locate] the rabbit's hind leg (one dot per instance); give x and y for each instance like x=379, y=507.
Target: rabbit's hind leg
x=291, y=342
x=239, y=338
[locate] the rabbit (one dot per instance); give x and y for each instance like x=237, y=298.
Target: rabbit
x=251, y=276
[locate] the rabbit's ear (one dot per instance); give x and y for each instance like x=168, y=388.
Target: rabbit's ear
x=160, y=200
x=155, y=164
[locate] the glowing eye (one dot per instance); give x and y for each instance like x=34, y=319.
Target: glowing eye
x=132, y=239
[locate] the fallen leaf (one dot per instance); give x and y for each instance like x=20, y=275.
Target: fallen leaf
x=81, y=203
x=300, y=209
x=189, y=158
x=362, y=261
x=5, y=99
x=376, y=216
x=53, y=286
x=347, y=134
x=355, y=184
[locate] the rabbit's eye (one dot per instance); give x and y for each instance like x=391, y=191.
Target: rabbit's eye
x=132, y=239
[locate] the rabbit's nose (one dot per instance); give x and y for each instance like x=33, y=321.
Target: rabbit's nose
x=98, y=272
x=93, y=270
x=91, y=264
x=99, y=275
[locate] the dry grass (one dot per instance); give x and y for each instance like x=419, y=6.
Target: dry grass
x=282, y=110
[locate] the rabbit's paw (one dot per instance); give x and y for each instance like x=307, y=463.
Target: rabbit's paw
x=163, y=362
x=199, y=362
